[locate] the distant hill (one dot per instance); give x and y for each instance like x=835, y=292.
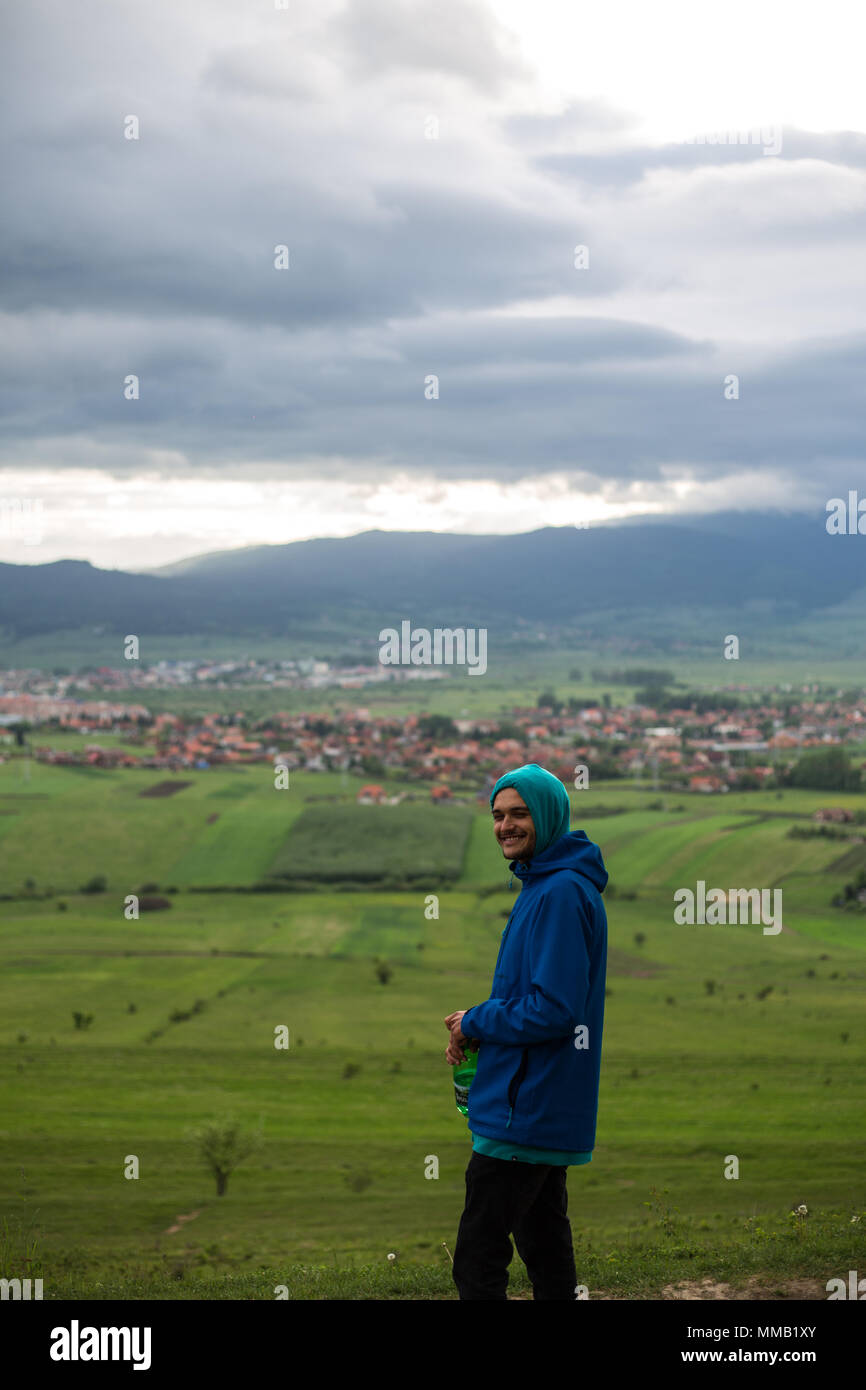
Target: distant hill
x=557, y=577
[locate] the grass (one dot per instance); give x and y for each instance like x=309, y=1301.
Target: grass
x=352, y=1111
x=669, y=1251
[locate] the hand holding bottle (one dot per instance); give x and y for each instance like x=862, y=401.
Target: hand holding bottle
x=454, y=1052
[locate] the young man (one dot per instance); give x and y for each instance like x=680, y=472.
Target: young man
x=533, y=1101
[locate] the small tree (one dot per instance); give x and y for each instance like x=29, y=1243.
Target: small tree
x=222, y=1147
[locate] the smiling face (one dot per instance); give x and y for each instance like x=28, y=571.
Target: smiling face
x=512, y=825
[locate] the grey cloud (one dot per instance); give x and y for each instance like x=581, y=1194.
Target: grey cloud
x=267, y=71
x=458, y=38
x=610, y=400
x=141, y=234
x=577, y=120
x=156, y=258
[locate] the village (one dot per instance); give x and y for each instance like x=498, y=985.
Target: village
x=689, y=748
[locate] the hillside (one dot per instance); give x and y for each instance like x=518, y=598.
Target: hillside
x=718, y=1041
x=749, y=566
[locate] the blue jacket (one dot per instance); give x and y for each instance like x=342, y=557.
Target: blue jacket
x=534, y=1083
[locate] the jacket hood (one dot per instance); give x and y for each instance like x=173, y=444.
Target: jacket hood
x=546, y=798
x=572, y=851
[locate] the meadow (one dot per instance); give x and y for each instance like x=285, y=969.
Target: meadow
x=719, y=1040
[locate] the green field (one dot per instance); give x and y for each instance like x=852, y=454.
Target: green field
x=351, y=1112
x=406, y=843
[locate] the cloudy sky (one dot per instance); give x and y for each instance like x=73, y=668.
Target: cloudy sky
x=431, y=170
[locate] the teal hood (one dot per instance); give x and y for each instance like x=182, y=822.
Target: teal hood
x=546, y=798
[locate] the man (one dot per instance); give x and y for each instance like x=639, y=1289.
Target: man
x=533, y=1101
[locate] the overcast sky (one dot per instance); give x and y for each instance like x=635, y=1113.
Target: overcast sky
x=431, y=169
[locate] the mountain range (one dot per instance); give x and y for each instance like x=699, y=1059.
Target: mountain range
x=784, y=566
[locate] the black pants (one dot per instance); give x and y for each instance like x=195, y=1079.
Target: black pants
x=530, y=1201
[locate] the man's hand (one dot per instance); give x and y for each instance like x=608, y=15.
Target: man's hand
x=454, y=1052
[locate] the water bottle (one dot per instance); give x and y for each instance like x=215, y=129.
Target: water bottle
x=463, y=1074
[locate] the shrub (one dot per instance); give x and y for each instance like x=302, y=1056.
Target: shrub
x=181, y=1015
x=222, y=1146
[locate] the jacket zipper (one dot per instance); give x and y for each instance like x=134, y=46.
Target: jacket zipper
x=517, y=1079
x=502, y=945
x=516, y=1083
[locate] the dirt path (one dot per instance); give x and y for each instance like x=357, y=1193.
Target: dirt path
x=757, y=1288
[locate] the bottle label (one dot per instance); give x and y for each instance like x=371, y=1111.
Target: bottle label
x=461, y=1094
